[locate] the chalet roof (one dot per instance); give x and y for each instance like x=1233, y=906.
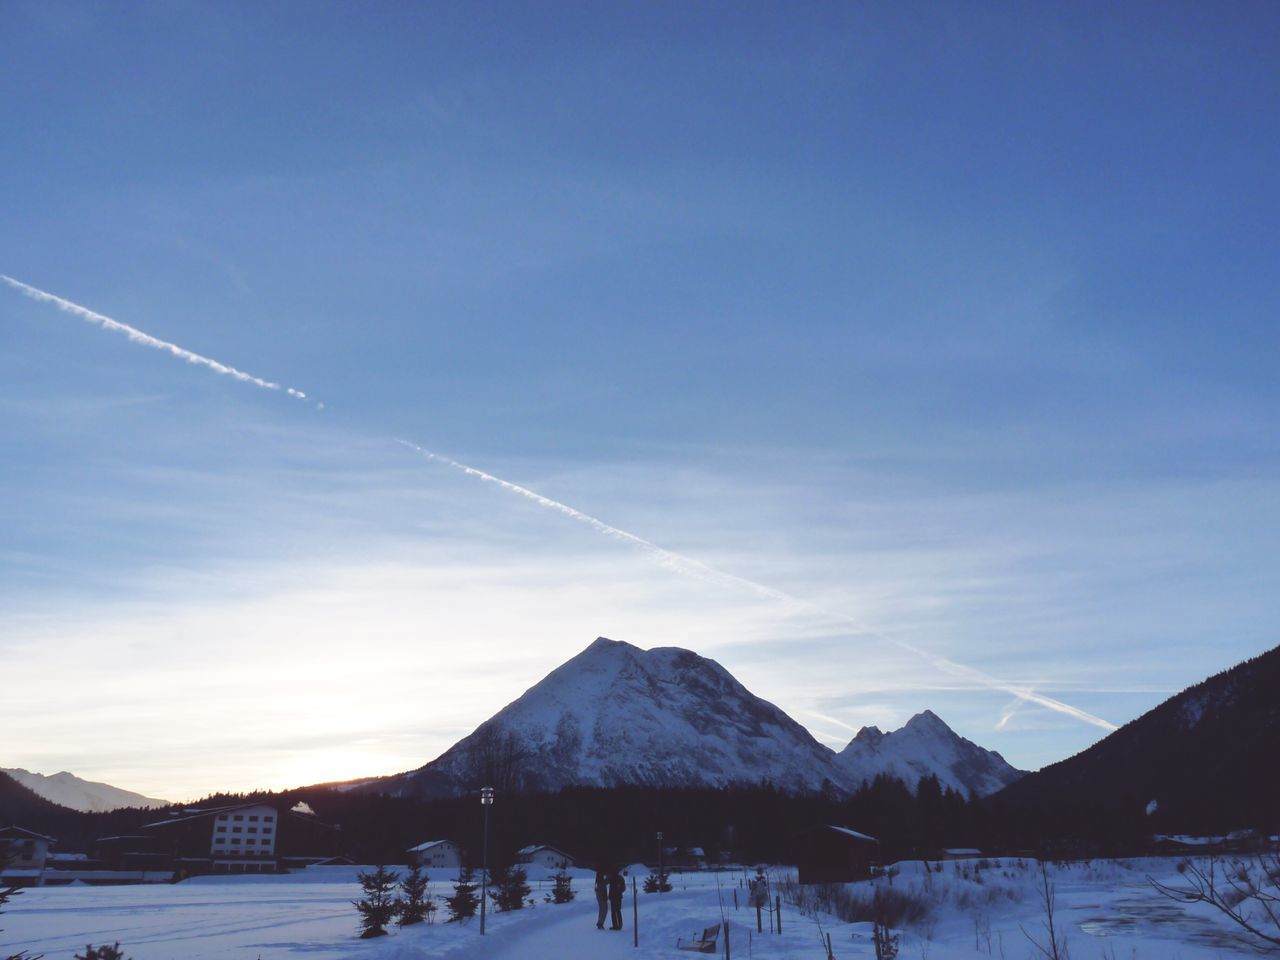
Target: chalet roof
x=15, y=832
x=428, y=845
x=536, y=847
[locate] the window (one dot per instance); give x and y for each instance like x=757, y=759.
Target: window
x=269, y=817
x=253, y=819
x=239, y=816
x=266, y=829
x=235, y=829
x=222, y=816
x=251, y=840
x=222, y=829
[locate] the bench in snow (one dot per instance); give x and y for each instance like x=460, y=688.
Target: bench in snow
x=703, y=944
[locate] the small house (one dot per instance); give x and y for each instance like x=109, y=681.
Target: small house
x=542, y=857
x=831, y=854
x=23, y=854
x=436, y=854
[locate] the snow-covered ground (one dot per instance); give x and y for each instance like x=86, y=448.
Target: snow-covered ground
x=1106, y=909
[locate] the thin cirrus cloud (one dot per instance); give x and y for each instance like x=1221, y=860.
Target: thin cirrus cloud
x=677, y=562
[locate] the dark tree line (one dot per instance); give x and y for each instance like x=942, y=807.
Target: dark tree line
x=752, y=824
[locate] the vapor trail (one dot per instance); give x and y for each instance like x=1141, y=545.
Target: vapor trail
x=667, y=558
x=137, y=336
x=688, y=565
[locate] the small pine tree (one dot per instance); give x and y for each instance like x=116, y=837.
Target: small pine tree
x=464, y=902
x=103, y=952
x=657, y=882
x=561, y=889
x=414, y=903
x=378, y=907
x=510, y=890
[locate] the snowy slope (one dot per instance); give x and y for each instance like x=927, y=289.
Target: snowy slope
x=925, y=745
x=616, y=714
x=68, y=790
x=1104, y=908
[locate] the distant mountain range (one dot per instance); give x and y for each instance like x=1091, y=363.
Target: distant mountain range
x=1205, y=759
x=68, y=790
x=616, y=714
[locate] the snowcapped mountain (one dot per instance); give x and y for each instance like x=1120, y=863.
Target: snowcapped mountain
x=68, y=790
x=616, y=714
x=923, y=746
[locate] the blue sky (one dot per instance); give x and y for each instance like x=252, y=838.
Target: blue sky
x=958, y=322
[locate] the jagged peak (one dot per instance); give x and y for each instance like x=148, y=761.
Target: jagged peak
x=869, y=736
x=926, y=721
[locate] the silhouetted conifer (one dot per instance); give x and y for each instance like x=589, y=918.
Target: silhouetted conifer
x=414, y=904
x=561, y=888
x=511, y=888
x=378, y=906
x=464, y=902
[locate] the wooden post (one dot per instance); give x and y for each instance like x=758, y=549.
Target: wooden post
x=778, y=910
x=735, y=898
x=727, y=954
x=760, y=919
x=635, y=915
x=830, y=955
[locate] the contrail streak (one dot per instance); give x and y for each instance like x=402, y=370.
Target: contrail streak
x=137, y=336
x=687, y=565
x=667, y=558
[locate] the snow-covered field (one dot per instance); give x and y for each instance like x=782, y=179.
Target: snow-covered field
x=1106, y=909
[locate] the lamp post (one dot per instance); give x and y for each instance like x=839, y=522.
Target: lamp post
x=486, y=801
x=659, y=861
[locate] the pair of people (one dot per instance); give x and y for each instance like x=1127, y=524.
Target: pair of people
x=609, y=890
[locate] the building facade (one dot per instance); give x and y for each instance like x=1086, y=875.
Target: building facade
x=436, y=854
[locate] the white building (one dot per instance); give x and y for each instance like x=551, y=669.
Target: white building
x=23, y=853
x=436, y=854
x=248, y=831
x=541, y=856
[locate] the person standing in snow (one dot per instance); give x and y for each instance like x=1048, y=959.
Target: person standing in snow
x=617, y=887
x=602, y=898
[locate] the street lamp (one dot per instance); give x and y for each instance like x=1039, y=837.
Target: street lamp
x=660, y=877
x=486, y=801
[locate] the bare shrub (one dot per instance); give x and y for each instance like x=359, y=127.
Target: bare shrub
x=1246, y=890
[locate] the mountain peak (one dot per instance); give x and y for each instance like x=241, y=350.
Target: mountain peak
x=668, y=717
x=68, y=790
x=925, y=746
x=869, y=735
x=604, y=643
x=928, y=721
x=617, y=714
